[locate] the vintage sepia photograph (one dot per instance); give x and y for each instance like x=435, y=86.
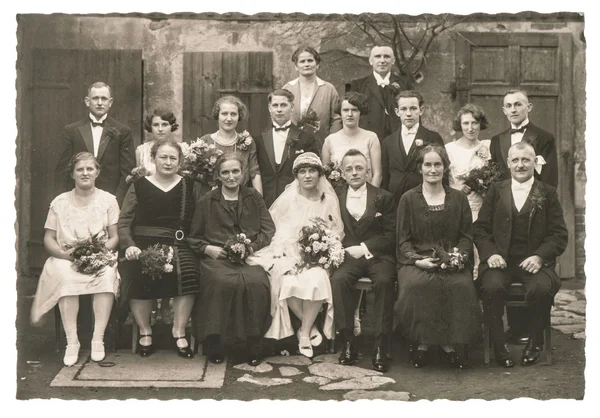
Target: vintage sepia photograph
x=295, y=204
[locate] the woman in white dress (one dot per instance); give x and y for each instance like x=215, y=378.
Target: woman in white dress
x=354, y=105
x=467, y=153
x=310, y=195
x=75, y=215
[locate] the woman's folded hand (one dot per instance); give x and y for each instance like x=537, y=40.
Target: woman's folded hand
x=427, y=263
x=215, y=252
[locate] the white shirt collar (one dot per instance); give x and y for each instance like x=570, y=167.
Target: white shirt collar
x=414, y=129
x=379, y=79
x=359, y=192
x=102, y=119
x=526, y=185
x=525, y=122
x=295, y=81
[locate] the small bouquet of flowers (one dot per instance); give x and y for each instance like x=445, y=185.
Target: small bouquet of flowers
x=137, y=173
x=244, y=140
x=452, y=260
x=480, y=179
x=309, y=122
x=90, y=255
x=199, y=160
x=319, y=247
x=238, y=249
x=156, y=260
x=333, y=173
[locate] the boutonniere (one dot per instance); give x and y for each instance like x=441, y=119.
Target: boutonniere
x=376, y=202
x=291, y=142
x=395, y=86
x=378, y=214
x=111, y=132
x=418, y=142
x=243, y=141
x=537, y=199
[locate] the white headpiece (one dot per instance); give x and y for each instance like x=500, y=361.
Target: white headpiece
x=309, y=158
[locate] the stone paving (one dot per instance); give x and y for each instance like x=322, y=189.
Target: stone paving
x=568, y=313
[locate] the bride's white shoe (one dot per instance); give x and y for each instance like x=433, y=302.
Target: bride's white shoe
x=304, y=346
x=98, y=353
x=315, y=336
x=71, y=354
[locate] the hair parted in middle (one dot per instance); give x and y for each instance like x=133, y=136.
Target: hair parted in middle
x=477, y=113
x=439, y=150
x=242, y=109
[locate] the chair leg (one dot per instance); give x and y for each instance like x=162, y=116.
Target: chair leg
x=57, y=330
x=486, y=344
x=134, y=336
x=548, y=344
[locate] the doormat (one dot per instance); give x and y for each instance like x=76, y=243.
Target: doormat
x=163, y=369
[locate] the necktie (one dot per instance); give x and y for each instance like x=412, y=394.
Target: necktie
x=94, y=124
x=521, y=129
x=283, y=128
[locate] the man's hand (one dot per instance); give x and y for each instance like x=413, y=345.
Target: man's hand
x=496, y=262
x=215, y=252
x=532, y=264
x=466, y=189
x=355, y=251
x=427, y=263
x=132, y=253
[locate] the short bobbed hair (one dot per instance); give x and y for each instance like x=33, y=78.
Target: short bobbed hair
x=356, y=99
x=165, y=115
x=477, y=113
x=242, y=109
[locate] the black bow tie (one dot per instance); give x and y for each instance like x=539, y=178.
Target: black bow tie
x=100, y=124
x=521, y=129
x=283, y=128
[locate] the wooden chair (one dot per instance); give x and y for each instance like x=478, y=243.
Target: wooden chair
x=516, y=298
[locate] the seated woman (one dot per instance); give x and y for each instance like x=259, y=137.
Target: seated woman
x=74, y=215
x=229, y=111
x=234, y=299
x=310, y=195
x=157, y=209
x=435, y=306
x=354, y=105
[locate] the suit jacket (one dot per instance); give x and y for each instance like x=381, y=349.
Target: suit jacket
x=399, y=168
x=382, y=118
x=546, y=230
x=377, y=226
x=116, y=156
x=544, y=144
x=274, y=179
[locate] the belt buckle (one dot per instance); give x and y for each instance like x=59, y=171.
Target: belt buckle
x=179, y=235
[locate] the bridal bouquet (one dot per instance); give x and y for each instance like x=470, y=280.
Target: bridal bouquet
x=309, y=122
x=199, y=160
x=90, y=255
x=137, y=173
x=333, y=173
x=480, y=179
x=238, y=249
x=452, y=260
x=319, y=247
x=156, y=260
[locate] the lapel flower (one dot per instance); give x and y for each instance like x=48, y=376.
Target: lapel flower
x=111, y=132
x=243, y=141
x=376, y=202
x=395, y=85
x=418, y=142
x=378, y=214
x=483, y=152
x=537, y=199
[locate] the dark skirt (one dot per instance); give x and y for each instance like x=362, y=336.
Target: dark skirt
x=234, y=300
x=437, y=308
x=183, y=280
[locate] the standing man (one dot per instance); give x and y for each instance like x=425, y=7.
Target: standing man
x=516, y=107
x=370, y=243
x=400, y=149
x=380, y=88
x=108, y=140
x=279, y=145
x=519, y=233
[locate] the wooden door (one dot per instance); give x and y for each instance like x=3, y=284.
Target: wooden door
x=489, y=64
x=60, y=79
x=207, y=76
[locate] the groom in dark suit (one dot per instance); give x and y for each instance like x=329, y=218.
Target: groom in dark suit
x=108, y=140
x=370, y=243
x=380, y=88
x=399, y=150
x=278, y=146
x=519, y=233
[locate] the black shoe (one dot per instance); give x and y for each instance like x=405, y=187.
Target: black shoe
x=254, y=353
x=531, y=353
x=454, y=360
x=349, y=355
x=503, y=357
x=420, y=358
x=216, y=358
x=185, y=352
x=146, y=350
x=380, y=360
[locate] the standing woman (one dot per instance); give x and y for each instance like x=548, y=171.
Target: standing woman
x=74, y=215
x=229, y=111
x=234, y=299
x=310, y=92
x=354, y=106
x=157, y=210
x=435, y=306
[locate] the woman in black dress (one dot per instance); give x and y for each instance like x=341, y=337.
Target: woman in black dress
x=157, y=210
x=436, y=305
x=234, y=299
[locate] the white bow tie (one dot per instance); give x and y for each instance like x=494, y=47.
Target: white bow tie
x=384, y=83
x=411, y=131
x=355, y=194
x=520, y=187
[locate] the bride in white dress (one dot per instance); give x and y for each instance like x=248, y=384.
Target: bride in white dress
x=310, y=195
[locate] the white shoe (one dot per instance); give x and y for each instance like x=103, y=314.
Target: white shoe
x=98, y=353
x=315, y=336
x=304, y=346
x=71, y=354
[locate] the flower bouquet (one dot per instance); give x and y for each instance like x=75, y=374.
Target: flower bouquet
x=452, y=260
x=319, y=247
x=480, y=179
x=238, y=249
x=137, y=173
x=90, y=255
x=199, y=160
x=333, y=173
x=309, y=122
x=244, y=140
x=156, y=260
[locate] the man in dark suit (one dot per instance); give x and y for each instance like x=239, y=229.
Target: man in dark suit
x=380, y=88
x=516, y=107
x=278, y=146
x=519, y=233
x=108, y=140
x=369, y=240
x=400, y=149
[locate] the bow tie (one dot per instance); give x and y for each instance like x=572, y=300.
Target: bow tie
x=355, y=194
x=100, y=124
x=384, y=83
x=411, y=131
x=521, y=129
x=283, y=128
x=519, y=187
